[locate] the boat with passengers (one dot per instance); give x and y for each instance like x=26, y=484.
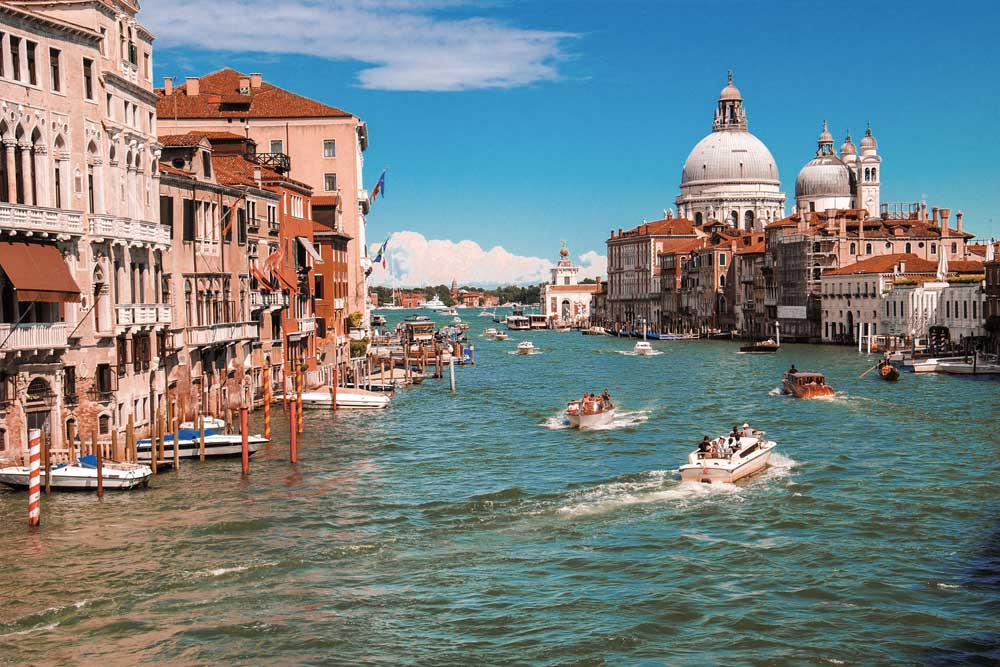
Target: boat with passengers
x=590, y=411
x=805, y=384
x=727, y=459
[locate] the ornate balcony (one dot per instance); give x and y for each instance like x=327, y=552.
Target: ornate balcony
x=30, y=220
x=106, y=227
x=269, y=300
x=307, y=324
x=213, y=334
x=279, y=162
x=34, y=337
x=208, y=247
x=149, y=314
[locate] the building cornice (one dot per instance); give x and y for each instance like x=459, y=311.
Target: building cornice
x=147, y=96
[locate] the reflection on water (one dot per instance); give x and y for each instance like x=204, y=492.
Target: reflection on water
x=476, y=527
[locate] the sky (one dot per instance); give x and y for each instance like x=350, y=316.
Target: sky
x=507, y=127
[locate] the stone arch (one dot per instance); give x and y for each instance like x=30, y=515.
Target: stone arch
x=748, y=220
x=734, y=219
x=698, y=218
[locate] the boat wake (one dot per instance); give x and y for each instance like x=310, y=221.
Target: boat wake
x=777, y=391
x=631, y=353
x=521, y=354
x=623, y=419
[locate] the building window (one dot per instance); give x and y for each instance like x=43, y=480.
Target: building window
x=854, y=249
x=318, y=286
x=15, y=58
x=330, y=182
x=55, y=72
x=206, y=163
x=167, y=214
x=277, y=146
x=188, y=220
x=104, y=424
x=934, y=248
x=722, y=259
x=868, y=248
x=1, y=54
x=241, y=226
x=908, y=248
x=954, y=247
x=30, y=49
x=330, y=148
x=88, y=79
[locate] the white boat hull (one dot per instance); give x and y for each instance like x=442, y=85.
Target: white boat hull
x=215, y=446
x=585, y=421
x=76, y=478
x=347, y=397
x=961, y=368
x=751, y=459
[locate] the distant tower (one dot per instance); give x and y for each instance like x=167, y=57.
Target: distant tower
x=869, y=167
x=454, y=288
x=565, y=273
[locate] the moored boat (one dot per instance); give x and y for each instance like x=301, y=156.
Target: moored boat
x=212, y=423
x=806, y=384
x=526, y=347
x=189, y=444
x=974, y=365
x=643, y=349
x=728, y=459
x=590, y=411
x=595, y=331
x=347, y=397
x=82, y=476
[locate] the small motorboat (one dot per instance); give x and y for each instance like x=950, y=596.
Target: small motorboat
x=211, y=423
x=451, y=312
x=82, y=476
x=500, y=335
x=526, y=347
x=490, y=333
x=928, y=364
x=974, y=365
x=806, y=384
x=590, y=412
x=595, y=331
x=887, y=372
x=760, y=347
x=485, y=313
x=643, y=349
x=726, y=460
x=347, y=397
x=189, y=444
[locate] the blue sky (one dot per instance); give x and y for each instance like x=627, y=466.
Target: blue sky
x=519, y=124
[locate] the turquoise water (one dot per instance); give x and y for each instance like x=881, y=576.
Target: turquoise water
x=475, y=529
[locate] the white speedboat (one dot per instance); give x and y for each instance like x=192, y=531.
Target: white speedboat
x=723, y=463
x=969, y=366
x=485, y=313
x=347, y=397
x=927, y=364
x=595, y=331
x=212, y=423
x=189, y=444
x=433, y=304
x=490, y=333
x=500, y=335
x=526, y=347
x=590, y=412
x=451, y=312
x=82, y=476
x=643, y=348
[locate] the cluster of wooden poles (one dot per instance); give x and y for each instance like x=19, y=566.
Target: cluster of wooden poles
x=169, y=424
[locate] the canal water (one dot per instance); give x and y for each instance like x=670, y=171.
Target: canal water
x=476, y=529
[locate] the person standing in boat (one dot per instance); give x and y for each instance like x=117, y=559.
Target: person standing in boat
x=703, y=447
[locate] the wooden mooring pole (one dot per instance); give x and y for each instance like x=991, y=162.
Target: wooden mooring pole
x=100, y=464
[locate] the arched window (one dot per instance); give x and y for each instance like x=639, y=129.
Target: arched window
x=908, y=247
x=874, y=175
x=698, y=218
x=722, y=281
x=734, y=218
x=868, y=248
x=934, y=248
x=817, y=273
x=854, y=249
x=954, y=247
x=868, y=173
x=104, y=424
x=748, y=220
x=187, y=302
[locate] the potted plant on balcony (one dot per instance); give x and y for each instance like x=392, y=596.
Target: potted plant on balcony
x=354, y=321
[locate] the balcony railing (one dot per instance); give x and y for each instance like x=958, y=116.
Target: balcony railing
x=338, y=304
x=153, y=313
x=38, y=336
x=207, y=247
x=222, y=333
x=20, y=218
x=128, y=229
x=279, y=162
x=268, y=300
x=307, y=324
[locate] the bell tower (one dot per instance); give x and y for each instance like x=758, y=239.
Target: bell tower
x=869, y=171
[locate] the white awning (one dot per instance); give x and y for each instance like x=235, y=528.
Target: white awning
x=310, y=250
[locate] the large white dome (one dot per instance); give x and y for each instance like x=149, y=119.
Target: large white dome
x=730, y=156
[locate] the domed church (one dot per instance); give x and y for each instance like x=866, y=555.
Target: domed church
x=850, y=181
x=730, y=175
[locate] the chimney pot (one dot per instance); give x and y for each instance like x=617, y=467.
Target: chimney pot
x=168, y=85
x=923, y=211
x=958, y=220
x=945, y=214
x=244, y=85
x=255, y=80
x=934, y=214
x=193, y=86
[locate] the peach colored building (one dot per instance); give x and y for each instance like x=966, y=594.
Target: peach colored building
x=84, y=317
x=311, y=142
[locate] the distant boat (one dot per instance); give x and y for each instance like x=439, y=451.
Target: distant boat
x=500, y=335
x=590, y=412
x=888, y=372
x=526, y=347
x=595, y=331
x=806, y=384
x=643, y=349
x=490, y=333
x=189, y=444
x=485, y=313
x=450, y=312
x=760, y=347
x=347, y=397
x=433, y=304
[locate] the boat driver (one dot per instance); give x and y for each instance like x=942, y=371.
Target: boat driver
x=703, y=447
x=793, y=369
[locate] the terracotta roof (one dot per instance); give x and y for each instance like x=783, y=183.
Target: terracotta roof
x=680, y=246
x=665, y=227
x=970, y=266
x=885, y=264
x=219, y=97
x=237, y=170
x=757, y=247
x=326, y=200
x=167, y=168
x=875, y=228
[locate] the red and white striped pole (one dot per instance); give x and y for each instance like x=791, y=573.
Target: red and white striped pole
x=34, y=478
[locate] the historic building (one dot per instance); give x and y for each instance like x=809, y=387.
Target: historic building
x=564, y=299
x=82, y=313
x=847, y=181
x=730, y=175
x=313, y=143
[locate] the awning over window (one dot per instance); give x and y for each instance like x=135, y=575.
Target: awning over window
x=38, y=272
x=310, y=250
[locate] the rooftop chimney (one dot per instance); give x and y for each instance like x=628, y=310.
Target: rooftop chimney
x=945, y=214
x=168, y=85
x=193, y=86
x=255, y=80
x=902, y=267
x=958, y=220
x=923, y=211
x=934, y=214
x=244, y=85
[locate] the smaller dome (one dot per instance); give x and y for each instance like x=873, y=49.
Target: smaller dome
x=825, y=137
x=824, y=176
x=848, y=148
x=868, y=142
x=730, y=92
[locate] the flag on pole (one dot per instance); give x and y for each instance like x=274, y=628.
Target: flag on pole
x=379, y=188
x=380, y=256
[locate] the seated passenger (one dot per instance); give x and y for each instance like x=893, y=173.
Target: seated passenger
x=703, y=447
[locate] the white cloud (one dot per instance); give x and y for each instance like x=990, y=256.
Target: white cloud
x=408, y=44
x=417, y=261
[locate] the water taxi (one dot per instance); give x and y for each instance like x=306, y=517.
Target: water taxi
x=643, y=349
x=526, y=347
x=490, y=332
x=806, y=384
x=500, y=335
x=590, y=411
x=518, y=323
x=921, y=364
x=537, y=321
x=451, y=312
x=82, y=476
x=974, y=365
x=760, y=347
x=728, y=459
